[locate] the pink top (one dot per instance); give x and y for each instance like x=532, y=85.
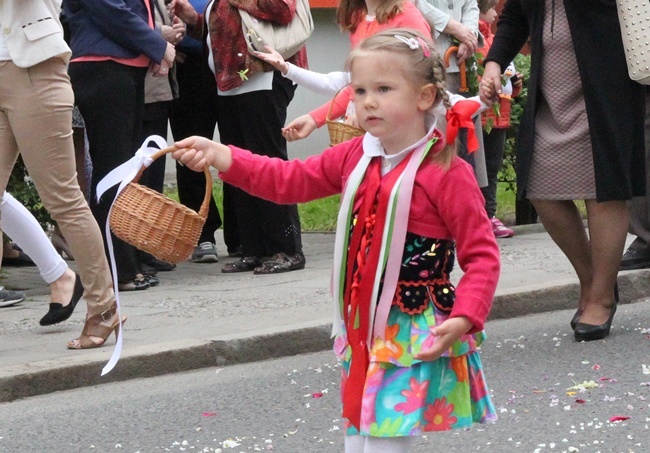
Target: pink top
x=410, y=17
x=445, y=205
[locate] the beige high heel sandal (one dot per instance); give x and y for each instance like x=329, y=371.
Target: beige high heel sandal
x=94, y=328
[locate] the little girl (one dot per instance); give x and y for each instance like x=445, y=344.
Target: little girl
x=407, y=338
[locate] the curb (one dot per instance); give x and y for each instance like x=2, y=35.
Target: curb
x=38, y=378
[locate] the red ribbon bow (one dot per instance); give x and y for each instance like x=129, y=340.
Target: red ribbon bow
x=460, y=116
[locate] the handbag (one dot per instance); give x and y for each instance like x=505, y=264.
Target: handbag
x=634, y=18
x=287, y=39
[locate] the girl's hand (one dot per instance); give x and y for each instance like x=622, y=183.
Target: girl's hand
x=490, y=86
x=447, y=334
x=199, y=152
x=273, y=58
x=299, y=128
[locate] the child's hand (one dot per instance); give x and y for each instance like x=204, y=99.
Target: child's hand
x=518, y=80
x=199, y=152
x=299, y=128
x=490, y=87
x=447, y=334
x=273, y=58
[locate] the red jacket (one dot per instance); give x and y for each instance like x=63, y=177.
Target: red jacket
x=445, y=204
x=231, y=56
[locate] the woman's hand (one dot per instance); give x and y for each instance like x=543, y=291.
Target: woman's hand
x=274, y=59
x=184, y=11
x=175, y=33
x=199, y=152
x=299, y=128
x=490, y=86
x=446, y=335
x=170, y=55
x=463, y=34
x=463, y=53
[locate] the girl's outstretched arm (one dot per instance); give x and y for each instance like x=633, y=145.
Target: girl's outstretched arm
x=299, y=128
x=199, y=152
x=446, y=335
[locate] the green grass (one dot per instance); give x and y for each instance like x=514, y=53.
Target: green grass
x=320, y=215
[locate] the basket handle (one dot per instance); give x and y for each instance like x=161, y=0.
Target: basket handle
x=333, y=101
x=205, y=205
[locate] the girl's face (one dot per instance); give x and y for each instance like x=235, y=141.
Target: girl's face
x=490, y=16
x=388, y=104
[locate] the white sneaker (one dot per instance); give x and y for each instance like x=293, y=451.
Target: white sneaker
x=8, y=298
x=205, y=252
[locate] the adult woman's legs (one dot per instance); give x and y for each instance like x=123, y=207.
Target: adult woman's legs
x=25, y=231
x=38, y=122
x=595, y=258
x=110, y=97
x=564, y=224
x=608, y=223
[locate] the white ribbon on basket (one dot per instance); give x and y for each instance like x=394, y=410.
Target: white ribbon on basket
x=123, y=175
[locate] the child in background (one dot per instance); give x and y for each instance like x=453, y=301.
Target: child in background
x=361, y=19
x=407, y=338
x=495, y=140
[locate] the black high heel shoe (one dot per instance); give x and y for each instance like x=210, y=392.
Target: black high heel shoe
x=58, y=313
x=590, y=332
x=576, y=317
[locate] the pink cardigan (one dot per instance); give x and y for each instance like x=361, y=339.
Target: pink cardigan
x=445, y=205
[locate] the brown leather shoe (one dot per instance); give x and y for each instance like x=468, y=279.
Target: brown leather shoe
x=245, y=264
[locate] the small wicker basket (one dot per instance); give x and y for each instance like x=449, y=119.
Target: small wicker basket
x=157, y=224
x=338, y=130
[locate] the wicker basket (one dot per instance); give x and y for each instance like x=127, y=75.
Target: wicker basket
x=157, y=224
x=338, y=130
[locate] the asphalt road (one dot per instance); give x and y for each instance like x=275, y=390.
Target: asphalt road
x=292, y=405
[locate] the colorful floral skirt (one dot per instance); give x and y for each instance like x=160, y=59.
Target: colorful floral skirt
x=406, y=397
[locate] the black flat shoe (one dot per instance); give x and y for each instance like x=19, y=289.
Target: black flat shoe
x=576, y=317
x=589, y=332
x=57, y=312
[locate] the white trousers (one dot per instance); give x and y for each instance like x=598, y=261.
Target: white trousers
x=21, y=226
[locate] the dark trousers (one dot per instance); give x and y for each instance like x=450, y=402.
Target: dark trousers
x=195, y=113
x=494, y=144
x=254, y=121
x=110, y=97
x=156, y=115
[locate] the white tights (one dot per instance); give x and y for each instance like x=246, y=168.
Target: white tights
x=367, y=444
x=21, y=226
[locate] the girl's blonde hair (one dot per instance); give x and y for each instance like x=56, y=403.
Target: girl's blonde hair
x=349, y=11
x=424, y=66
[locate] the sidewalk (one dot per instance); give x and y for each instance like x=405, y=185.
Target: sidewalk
x=199, y=317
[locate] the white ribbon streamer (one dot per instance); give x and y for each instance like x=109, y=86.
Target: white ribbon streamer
x=123, y=175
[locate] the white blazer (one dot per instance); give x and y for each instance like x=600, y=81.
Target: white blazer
x=33, y=31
